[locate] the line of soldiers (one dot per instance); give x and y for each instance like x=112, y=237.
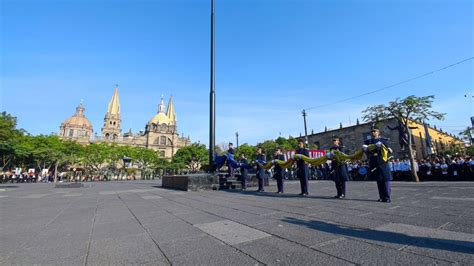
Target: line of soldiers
x=378, y=167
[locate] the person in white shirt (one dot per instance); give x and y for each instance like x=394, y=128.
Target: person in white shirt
x=444, y=168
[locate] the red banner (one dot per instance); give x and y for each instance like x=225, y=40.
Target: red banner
x=313, y=154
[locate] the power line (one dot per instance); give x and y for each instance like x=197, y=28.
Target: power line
x=392, y=85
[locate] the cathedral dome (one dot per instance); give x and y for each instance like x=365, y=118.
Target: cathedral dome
x=161, y=118
x=164, y=118
x=78, y=119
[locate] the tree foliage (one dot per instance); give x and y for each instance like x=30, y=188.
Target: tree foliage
x=411, y=108
x=192, y=157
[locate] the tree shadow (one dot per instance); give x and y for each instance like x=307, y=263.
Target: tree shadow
x=284, y=195
x=389, y=237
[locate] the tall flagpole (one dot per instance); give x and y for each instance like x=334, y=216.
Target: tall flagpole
x=212, y=101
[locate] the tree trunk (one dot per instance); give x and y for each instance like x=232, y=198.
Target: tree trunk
x=410, y=155
x=56, y=172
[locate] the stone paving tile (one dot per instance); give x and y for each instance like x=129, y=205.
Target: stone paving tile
x=368, y=254
x=231, y=232
x=198, y=217
x=274, y=251
x=138, y=223
x=186, y=245
x=136, y=249
x=295, y=232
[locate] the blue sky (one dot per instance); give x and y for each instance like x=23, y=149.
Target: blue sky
x=273, y=58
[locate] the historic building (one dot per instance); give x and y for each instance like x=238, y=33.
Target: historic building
x=426, y=140
x=111, y=129
x=160, y=134
x=77, y=127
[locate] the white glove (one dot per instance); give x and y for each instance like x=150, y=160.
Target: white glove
x=378, y=144
x=365, y=147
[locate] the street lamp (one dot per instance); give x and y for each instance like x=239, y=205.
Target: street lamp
x=305, y=128
x=237, y=138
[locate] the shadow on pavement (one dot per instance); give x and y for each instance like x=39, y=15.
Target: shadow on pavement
x=389, y=237
x=275, y=195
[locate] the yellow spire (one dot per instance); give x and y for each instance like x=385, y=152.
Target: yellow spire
x=114, y=104
x=170, y=110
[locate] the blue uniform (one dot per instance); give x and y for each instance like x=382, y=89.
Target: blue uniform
x=279, y=173
x=243, y=173
x=260, y=172
x=340, y=174
x=230, y=168
x=302, y=170
x=379, y=169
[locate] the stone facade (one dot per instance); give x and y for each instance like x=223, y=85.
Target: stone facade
x=353, y=138
x=161, y=131
x=77, y=127
x=112, y=128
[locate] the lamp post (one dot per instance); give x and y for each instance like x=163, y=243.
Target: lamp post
x=472, y=130
x=212, y=99
x=237, y=140
x=305, y=128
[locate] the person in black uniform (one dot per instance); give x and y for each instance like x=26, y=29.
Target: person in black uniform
x=279, y=171
x=302, y=170
x=244, y=174
x=230, y=156
x=260, y=171
x=340, y=173
x=379, y=169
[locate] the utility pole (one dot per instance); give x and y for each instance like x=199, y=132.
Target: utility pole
x=212, y=100
x=305, y=128
x=237, y=138
x=472, y=130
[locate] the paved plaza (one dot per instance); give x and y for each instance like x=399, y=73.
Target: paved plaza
x=137, y=222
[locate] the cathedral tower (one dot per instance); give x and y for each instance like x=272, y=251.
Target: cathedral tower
x=111, y=130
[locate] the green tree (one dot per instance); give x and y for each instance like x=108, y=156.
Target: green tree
x=192, y=157
x=466, y=135
x=95, y=156
x=411, y=108
x=145, y=159
x=72, y=154
x=287, y=144
x=269, y=148
x=470, y=150
x=10, y=139
x=249, y=151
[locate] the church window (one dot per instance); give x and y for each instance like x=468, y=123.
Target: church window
x=79, y=133
x=115, y=137
x=163, y=127
x=162, y=154
x=114, y=123
x=71, y=132
x=162, y=140
x=107, y=136
x=157, y=141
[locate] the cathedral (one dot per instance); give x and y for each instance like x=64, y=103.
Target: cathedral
x=160, y=134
